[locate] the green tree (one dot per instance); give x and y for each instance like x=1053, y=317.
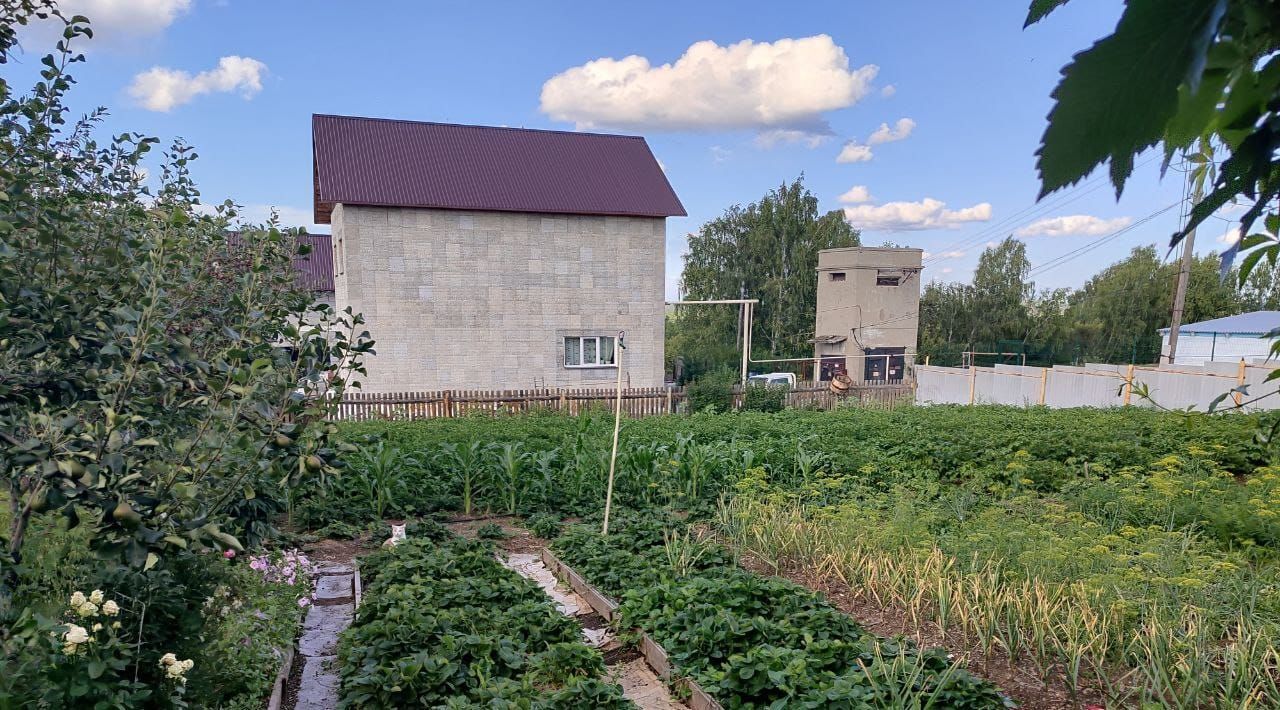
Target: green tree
x=1114, y=317
x=1002, y=292
x=766, y=250
x=150, y=366
x=1261, y=290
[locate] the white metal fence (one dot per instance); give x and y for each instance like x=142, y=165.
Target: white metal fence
x=1096, y=385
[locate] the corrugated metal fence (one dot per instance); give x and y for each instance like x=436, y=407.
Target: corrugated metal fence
x=636, y=401
x=1099, y=385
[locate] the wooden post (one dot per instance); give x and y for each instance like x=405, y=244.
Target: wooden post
x=1044, y=384
x=926, y=360
x=448, y=403
x=669, y=409
x=973, y=382
x=1237, y=396
x=1128, y=390
x=617, y=424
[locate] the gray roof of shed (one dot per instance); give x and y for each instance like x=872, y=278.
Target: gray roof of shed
x=374, y=161
x=1252, y=323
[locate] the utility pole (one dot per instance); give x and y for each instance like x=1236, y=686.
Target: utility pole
x=1184, y=271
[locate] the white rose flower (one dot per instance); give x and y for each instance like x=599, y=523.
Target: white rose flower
x=96, y=596
x=168, y=659
x=97, y=628
x=70, y=649
x=87, y=609
x=75, y=634
x=110, y=608
x=77, y=599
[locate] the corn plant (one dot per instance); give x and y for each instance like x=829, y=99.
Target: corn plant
x=380, y=473
x=468, y=462
x=509, y=474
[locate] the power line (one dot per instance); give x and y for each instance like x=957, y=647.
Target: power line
x=1028, y=214
x=1081, y=251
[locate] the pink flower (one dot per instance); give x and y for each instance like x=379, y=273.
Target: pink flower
x=229, y=554
x=303, y=601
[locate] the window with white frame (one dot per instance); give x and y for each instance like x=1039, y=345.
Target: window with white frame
x=589, y=351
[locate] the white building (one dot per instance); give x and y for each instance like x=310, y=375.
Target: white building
x=495, y=258
x=1223, y=339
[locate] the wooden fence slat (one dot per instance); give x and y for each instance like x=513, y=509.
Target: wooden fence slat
x=636, y=402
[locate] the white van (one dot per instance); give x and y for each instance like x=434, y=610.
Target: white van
x=773, y=378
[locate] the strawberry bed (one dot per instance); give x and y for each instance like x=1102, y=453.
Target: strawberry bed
x=446, y=625
x=754, y=642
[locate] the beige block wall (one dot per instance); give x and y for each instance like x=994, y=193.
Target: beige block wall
x=883, y=316
x=482, y=300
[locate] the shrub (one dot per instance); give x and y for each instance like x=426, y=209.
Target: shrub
x=712, y=392
x=765, y=398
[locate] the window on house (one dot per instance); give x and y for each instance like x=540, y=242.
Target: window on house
x=886, y=280
x=589, y=351
x=837, y=276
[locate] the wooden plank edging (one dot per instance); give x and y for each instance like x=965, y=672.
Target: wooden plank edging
x=357, y=589
x=654, y=654
x=277, y=688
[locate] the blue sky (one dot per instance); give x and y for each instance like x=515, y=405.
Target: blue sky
x=240, y=80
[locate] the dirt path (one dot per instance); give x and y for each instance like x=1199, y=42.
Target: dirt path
x=639, y=683
x=314, y=682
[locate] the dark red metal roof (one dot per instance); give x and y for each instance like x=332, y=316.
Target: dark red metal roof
x=373, y=161
x=315, y=270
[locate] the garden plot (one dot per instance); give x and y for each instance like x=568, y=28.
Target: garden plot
x=640, y=683
x=1115, y=557
x=751, y=642
x=442, y=622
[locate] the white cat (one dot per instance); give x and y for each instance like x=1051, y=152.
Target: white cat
x=397, y=534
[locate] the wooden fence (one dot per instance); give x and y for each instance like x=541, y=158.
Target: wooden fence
x=636, y=401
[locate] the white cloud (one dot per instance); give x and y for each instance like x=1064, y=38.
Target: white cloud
x=720, y=154
x=789, y=83
x=1076, y=224
x=162, y=89
x=954, y=254
x=909, y=216
x=772, y=137
x=136, y=18
x=885, y=134
x=888, y=90
x=947, y=270
x=856, y=194
x=1229, y=237
x=853, y=152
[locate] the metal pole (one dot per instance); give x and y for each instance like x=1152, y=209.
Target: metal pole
x=617, y=425
x=746, y=339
